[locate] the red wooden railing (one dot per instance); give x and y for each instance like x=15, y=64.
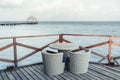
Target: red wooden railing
x=14, y=43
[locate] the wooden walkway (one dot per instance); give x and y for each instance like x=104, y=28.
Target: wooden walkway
x=36, y=72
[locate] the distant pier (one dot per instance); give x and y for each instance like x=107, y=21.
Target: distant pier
x=12, y=23
x=30, y=20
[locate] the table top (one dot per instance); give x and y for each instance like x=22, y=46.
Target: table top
x=64, y=46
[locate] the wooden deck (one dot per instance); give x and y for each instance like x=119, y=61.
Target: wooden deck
x=36, y=72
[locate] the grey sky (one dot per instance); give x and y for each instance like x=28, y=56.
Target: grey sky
x=60, y=10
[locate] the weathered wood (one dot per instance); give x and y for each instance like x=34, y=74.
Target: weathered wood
x=15, y=51
x=54, y=77
x=93, y=77
x=48, y=44
x=93, y=35
x=93, y=52
x=34, y=75
x=1, y=77
x=11, y=77
x=27, y=75
x=22, y=76
x=5, y=47
x=37, y=72
x=58, y=77
x=117, y=57
x=98, y=74
x=29, y=36
x=100, y=55
x=71, y=78
x=103, y=73
x=116, y=61
x=65, y=77
x=61, y=38
x=73, y=75
x=101, y=59
x=107, y=72
x=98, y=44
x=28, y=55
x=116, y=43
x=4, y=76
x=17, y=77
x=57, y=35
x=110, y=49
x=67, y=41
x=42, y=72
x=82, y=77
x=26, y=46
x=6, y=60
x=117, y=71
x=86, y=77
x=92, y=46
x=91, y=62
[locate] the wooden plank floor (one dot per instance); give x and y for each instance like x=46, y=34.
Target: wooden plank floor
x=36, y=72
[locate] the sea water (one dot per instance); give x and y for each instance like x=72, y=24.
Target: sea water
x=106, y=28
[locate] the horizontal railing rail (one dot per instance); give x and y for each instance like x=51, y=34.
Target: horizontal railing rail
x=61, y=39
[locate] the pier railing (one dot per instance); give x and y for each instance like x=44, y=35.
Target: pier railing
x=60, y=39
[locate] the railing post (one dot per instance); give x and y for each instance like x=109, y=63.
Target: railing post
x=110, y=50
x=15, y=51
x=60, y=38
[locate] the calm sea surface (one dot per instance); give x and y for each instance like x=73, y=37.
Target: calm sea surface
x=109, y=28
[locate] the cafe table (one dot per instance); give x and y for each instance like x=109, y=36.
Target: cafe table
x=64, y=47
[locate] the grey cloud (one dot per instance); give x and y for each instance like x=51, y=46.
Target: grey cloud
x=62, y=10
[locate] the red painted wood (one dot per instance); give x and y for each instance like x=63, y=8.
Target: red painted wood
x=110, y=50
x=15, y=51
x=5, y=47
x=6, y=60
x=61, y=38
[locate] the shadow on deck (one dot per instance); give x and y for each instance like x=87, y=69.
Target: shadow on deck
x=36, y=72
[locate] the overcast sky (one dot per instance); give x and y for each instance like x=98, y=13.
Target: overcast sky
x=60, y=10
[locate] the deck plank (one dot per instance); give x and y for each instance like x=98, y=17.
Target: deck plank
x=68, y=76
x=92, y=77
x=103, y=73
x=37, y=72
x=41, y=73
x=21, y=75
x=86, y=76
x=106, y=72
x=11, y=77
x=5, y=77
x=99, y=74
x=27, y=75
x=44, y=74
x=56, y=76
x=118, y=67
x=74, y=76
x=33, y=74
x=112, y=69
x=17, y=77
x=1, y=78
